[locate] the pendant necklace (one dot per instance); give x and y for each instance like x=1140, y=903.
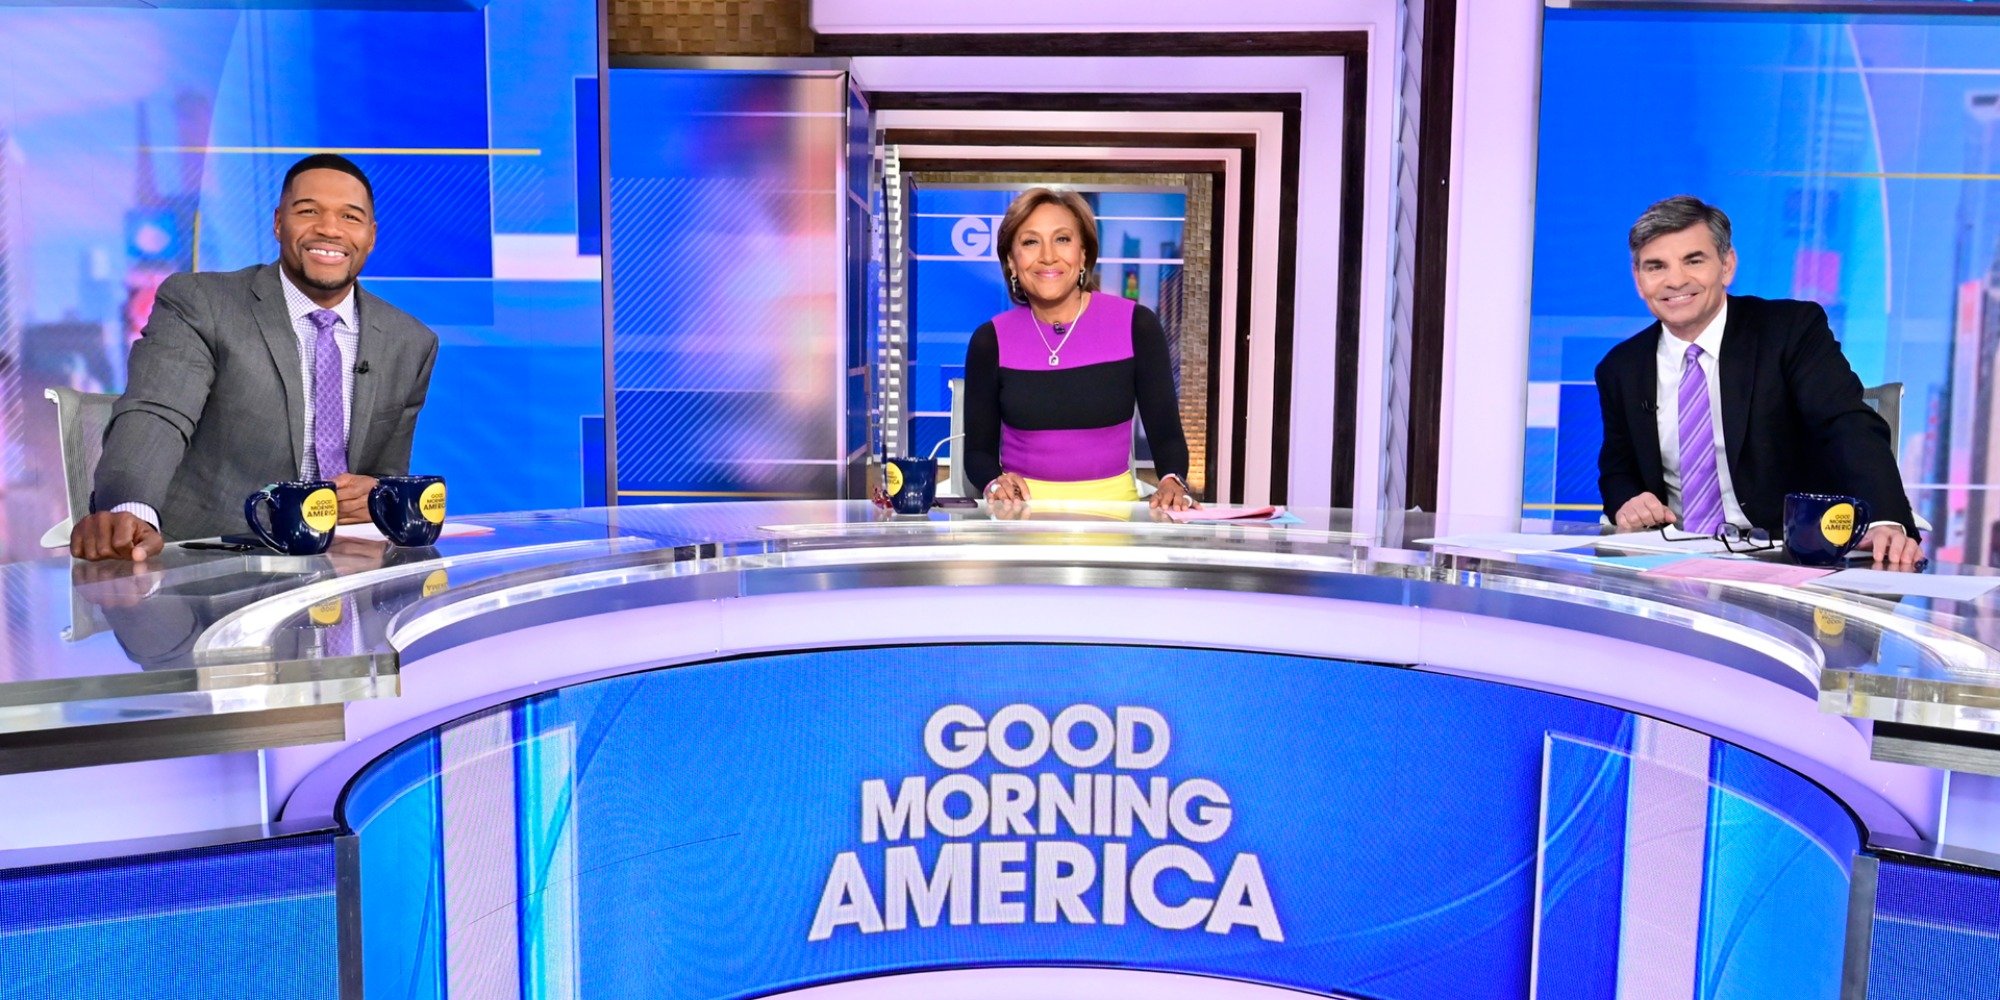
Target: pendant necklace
x=1056, y=351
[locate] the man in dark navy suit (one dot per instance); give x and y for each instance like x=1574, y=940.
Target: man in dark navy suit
x=1729, y=402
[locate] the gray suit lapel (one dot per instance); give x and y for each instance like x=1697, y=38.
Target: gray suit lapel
x=275, y=322
x=374, y=361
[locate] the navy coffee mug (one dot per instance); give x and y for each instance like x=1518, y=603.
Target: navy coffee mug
x=301, y=514
x=1821, y=528
x=911, y=484
x=408, y=509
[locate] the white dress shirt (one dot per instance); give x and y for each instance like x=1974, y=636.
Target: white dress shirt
x=346, y=335
x=1671, y=357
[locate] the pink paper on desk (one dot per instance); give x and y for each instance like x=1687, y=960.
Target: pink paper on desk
x=1224, y=512
x=1740, y=571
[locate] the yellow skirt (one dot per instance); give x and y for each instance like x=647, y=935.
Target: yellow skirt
x=1119, y=488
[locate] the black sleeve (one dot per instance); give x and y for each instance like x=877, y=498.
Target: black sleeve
x=1153, y=384
x=1827, y=394
x=981, y=448
x=1617, y=464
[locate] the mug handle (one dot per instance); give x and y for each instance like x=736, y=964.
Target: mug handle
x=251, y=507
x=1862, y=519
x=377, y=498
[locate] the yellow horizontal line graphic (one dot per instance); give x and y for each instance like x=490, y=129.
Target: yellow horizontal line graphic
x=1878, y=175
x=712, y=493
x=1561, y=506
x=348, y=151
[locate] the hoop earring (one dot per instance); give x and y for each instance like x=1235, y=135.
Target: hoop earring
x=1081, y=273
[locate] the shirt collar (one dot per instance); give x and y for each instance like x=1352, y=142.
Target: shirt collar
x=1709, y=339
x=298, y=305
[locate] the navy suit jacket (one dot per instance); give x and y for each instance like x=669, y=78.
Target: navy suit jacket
x=1792, y=417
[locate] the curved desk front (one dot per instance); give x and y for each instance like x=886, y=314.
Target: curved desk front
x=1309, y=757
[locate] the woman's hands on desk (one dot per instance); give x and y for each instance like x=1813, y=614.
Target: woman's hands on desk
x=1172, y=495
x=1009, y=487
x=1010, y=490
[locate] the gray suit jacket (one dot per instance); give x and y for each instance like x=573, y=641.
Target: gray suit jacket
x=213, y=406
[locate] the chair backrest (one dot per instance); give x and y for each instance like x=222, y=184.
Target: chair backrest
x=80, y=421
x=1887, y=400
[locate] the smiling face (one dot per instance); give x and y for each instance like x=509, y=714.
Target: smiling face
x=325, y=225
x=1047, y=257
x=1684, y=280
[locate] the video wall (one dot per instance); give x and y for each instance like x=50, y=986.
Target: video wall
x=1859, y=160
x=970, y=821
x=248, y=920
x=728, y=229
x=136, y=143
x=1936, y=933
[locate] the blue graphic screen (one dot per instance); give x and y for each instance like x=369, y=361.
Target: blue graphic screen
x=782, y=822
x=1936, y=934
x=248, y=920
x=121, y=164
x=1855, y=156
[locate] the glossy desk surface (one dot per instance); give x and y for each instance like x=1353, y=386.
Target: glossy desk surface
x=204, y=634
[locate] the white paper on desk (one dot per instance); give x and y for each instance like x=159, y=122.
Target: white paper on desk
x=1511, y=541
x=1881, y=581
x=369, y=533
x=1653, y=541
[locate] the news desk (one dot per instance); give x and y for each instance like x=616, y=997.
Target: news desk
x=752, y=748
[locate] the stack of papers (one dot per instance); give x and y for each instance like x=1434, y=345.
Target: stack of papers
x=1739, y=571
x=1224, y=513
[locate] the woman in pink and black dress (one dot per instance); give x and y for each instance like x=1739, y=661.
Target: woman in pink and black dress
x=1051, y=385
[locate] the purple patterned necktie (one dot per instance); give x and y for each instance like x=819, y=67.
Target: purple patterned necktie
x=1701, y=491
x=329, y=422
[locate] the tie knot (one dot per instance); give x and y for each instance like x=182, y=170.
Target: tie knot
x=1693, y=353
x=323, y=320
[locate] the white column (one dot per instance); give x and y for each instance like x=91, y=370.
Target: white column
x=1495, y=98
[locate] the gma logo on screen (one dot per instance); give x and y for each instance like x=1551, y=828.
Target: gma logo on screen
x=1010, y=852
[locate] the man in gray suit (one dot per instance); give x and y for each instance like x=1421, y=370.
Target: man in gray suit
x=271, y=373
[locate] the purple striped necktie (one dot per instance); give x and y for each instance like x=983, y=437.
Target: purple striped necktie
x=1701, y=491
x=329, y=422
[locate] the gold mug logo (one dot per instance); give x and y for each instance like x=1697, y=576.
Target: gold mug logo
x=892, y=478
x=1837, y=524
x=326, y=612
x=1829, y=624
x=321, y=509
x=435, y=583
x=431, y=503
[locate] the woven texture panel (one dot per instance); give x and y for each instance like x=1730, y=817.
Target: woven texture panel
x=711, y=27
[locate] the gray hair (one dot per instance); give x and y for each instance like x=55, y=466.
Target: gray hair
x=1671, y=215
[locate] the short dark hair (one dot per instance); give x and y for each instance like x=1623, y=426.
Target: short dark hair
x=328, y=161
x=1671, y=215
x=1017, y=214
